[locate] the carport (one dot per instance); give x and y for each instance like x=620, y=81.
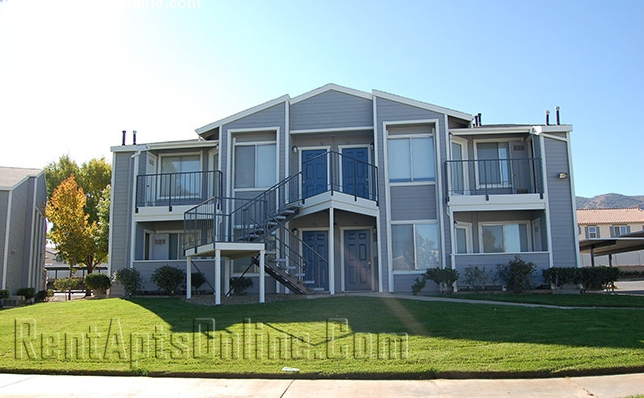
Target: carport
x=607, y=247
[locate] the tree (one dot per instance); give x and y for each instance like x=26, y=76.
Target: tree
x=78, y=240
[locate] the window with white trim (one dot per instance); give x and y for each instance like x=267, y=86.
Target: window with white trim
x=180, y=176
x=619, y=230
x=415, y=246
x=592, y=232
x=505, y=237
x=493, y=164
x=463, y=236
x=255, y=165
x=411, y=159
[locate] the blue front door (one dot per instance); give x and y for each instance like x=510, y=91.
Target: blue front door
x=355, y=172
x=316, y=272
x=314, y=170
x=357, y=259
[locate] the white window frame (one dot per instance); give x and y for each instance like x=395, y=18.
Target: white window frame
x=469, y=243
x=476, y=164
x=172, y=154
x=255, y=144
x=416, y=270
x=465, y=155
x=596, y=232
x=408, y=137
x=613, y=230
x=527, y=224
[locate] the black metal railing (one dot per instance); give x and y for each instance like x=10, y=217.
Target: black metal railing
x=172, y=189
x=494, y=177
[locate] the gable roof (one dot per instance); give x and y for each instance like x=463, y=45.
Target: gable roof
x=331, y=87
x=631, y=215
x=423, y=105
x=13, y=176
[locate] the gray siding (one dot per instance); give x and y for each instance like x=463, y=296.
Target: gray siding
x=4, y=203
x=489, y=262
x=331, y=109
x=15, y=260
x=121, y=215
x=562, y=227
x=413, y=202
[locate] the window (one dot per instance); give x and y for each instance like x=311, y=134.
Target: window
x=255, y=165
x=164, y=246
x=493, y=163
x=411, y=159
x=505, y=238
x=619, y=230
x=185, y=184
x=415, y=246
x=592, y=232
x=463, y=236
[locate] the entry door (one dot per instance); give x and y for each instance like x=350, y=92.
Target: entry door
x=355, y=171
x=316, y=272
x=314, y=167
x=357, y=260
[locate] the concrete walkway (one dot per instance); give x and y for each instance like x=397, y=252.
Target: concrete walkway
x=19, y=385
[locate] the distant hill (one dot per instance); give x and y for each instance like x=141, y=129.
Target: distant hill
x=609, y=201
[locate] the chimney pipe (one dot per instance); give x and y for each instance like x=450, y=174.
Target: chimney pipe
x=557, y=115
x=480, y=120
x=547, y=118
x=133, y=137
x=123, y=143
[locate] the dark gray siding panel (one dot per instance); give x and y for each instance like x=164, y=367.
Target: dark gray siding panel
x=562, y=226
x=404, y=282
x=413, y=202
x=16, y=263
x=121, y=210
x=331, y=109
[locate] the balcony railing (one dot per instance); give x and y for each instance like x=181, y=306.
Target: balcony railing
x=174, y=189
x=494, y=177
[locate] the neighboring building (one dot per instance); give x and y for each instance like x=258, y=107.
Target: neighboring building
x=56, y=267
x=611, y=223
x=23, y=195
x=345, y=191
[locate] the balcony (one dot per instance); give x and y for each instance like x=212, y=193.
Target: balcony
x=499, y=184
x=177, y=189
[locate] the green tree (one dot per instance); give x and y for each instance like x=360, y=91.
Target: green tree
x=78, y=240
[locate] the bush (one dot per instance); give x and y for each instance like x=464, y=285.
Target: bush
x=98, y=282
x=65, y=284
x=516, y=274
x=26, y=292
x=168, y=278
x=4, y=294
x=239, y=285
x=444, y=277
x=197, y=279
x=43, y=295
x=595, y=278
x=130, y=279
x=559, y=276
x=476, y=278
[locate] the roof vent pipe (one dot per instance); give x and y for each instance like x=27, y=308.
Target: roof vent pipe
x=547, y=118
x=123, y=143
x=480, y=120
x=476, y=121
x=133, y=137
x=557, y=115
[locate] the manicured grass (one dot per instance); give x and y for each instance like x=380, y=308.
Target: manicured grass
x=382, y=338
x=566, y=300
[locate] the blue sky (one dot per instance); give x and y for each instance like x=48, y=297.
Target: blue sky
x=73, y=74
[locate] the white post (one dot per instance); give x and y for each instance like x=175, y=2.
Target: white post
x=188, y=278
x=331, y=252
x=217, y=277
x=226, y=274
x=262, y=277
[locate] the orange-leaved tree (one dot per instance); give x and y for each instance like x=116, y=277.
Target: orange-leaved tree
x=78, y=240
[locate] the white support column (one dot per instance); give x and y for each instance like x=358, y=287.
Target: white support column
x=188, y=278
x=218, y=277
x=331, y=252
x=262, y=277
x=227, y=274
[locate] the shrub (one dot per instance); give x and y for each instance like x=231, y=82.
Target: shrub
x=239, y=285
x=98, y=282
x=168, y=278
x=595, y=278
x=130, y=279
x=197, y=279
x=4, y=294
x=444, y=277
x=66, y=285
x=476, y=277
x=26, y=292
x=43, y=295
x=516, y=274
x=559, y=276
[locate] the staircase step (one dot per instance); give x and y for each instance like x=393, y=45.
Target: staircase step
x=287, y=211
x=278, y=217
x=300, y=275
x=280, y=260
x=308, y=282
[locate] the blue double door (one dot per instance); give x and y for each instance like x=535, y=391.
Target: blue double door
x=354, y=172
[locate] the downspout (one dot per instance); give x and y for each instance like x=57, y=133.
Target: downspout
x=132, y=239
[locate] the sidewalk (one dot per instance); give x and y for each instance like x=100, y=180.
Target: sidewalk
x=19, y=385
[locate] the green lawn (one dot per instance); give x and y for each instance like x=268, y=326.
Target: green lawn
x=330, y=337
x=566, y=300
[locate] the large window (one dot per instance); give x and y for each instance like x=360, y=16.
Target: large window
x=463, y=236
x=415, y=246
x=493, y=163
x=619, y=230
x=505, y=238
x=255, y=165
x=180, y=176
x=411, y=159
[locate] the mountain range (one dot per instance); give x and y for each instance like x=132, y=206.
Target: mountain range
x=610, y=201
